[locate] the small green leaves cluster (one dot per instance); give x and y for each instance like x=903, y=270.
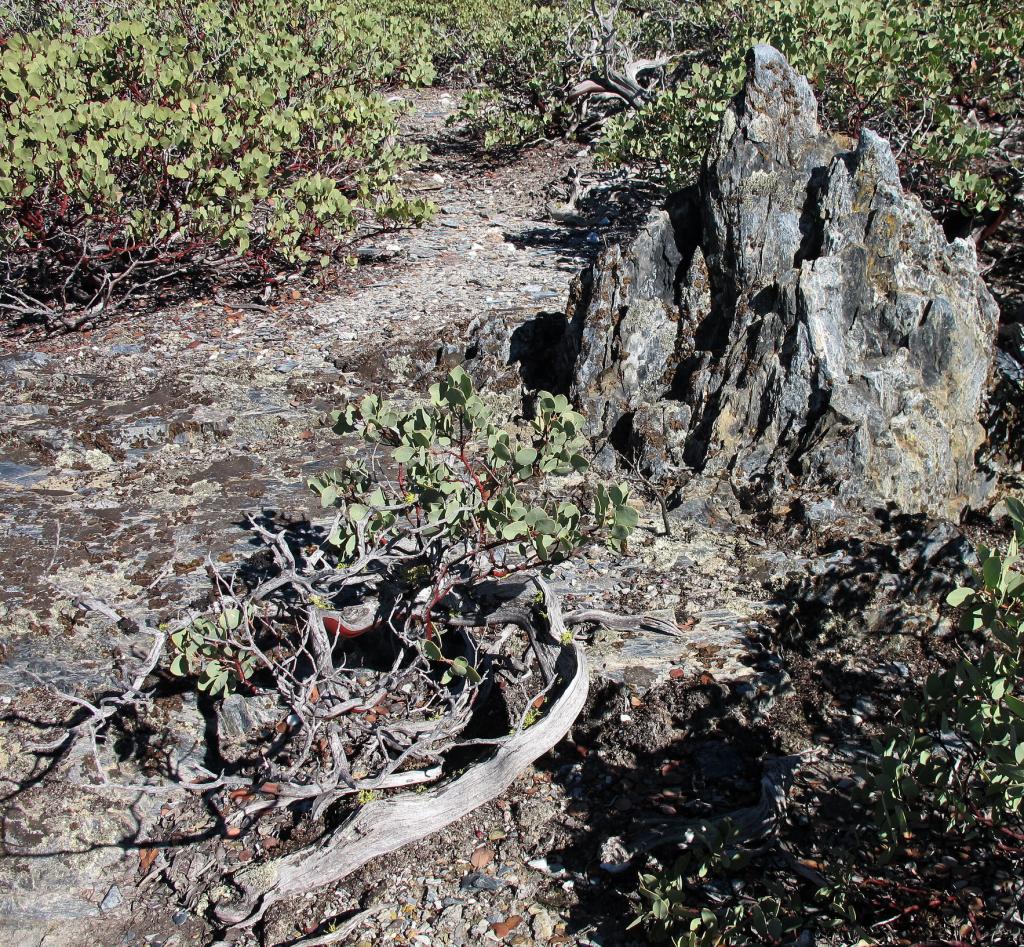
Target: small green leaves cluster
x=458, y=476
x=676, y=906
x=455, y=667
x=208, y=649
x=156, y=134
x=956, y=754
x=612, y=509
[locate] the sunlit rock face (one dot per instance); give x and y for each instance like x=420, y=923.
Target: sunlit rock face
x=794, y=320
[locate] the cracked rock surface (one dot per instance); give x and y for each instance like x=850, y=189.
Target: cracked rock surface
x=796, y=318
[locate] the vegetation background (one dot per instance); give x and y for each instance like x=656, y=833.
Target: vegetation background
x=145, y=142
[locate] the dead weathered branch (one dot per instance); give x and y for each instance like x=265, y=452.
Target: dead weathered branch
x=383, y=826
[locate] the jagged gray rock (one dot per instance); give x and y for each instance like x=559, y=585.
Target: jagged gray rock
x=794, y=319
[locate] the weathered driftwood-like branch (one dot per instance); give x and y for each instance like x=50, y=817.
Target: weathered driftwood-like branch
x=334, y=743
x=516, y=614
x=342, y=933
x=624, y=86
x=387, y=825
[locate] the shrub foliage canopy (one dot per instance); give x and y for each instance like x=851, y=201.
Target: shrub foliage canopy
x=143, y=140
x=942, y=80
x=161, y=136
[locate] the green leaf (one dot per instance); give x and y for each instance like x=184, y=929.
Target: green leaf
x=1015, y=704
x=514, y=530
x=525, y=457
x=547, y=526
x=534, y=516
x=431, y=651
x=958, y=596
x=991, y=571
x=458, y=377
x=626, y=517
x=1015, y=508
x=544, y=545
x=369, y=406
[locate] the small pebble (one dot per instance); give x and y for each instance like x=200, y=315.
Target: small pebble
x=113, y=899
x=478, y=881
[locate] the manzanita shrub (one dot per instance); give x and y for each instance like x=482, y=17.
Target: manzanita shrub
x=956, y=754
x=676, y=906
x=140, y=140
x=478, y=501
x=206, y=650
x=944, y=81
x=456, y=498
x=941, y=80
x=522, y=60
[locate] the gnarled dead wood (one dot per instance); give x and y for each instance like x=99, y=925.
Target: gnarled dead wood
x=386, y=825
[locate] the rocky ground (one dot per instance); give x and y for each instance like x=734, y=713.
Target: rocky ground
x=130, y=454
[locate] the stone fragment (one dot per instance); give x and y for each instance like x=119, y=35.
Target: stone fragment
x=112, y=900
x=478, y=881
x=543, y=927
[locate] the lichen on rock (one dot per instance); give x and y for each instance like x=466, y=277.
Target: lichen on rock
x=795, y=319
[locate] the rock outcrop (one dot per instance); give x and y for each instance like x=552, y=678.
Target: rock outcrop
x=794, y=319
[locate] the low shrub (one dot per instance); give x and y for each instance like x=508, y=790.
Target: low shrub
x=418, y=640
x=940, y=80
x=955, y=758
x=525, y=60
x=140, y=141
x=943, y=81
x=445, y=502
